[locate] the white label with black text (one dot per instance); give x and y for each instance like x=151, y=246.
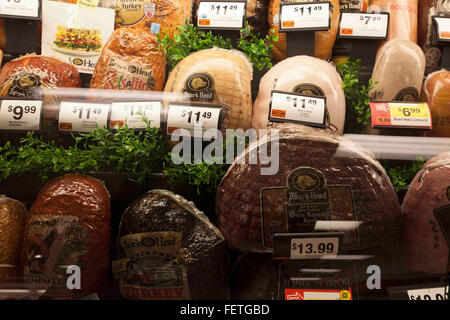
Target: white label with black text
x=186, y=117
x=443, y=27
x=371, y=25
x=132, y=113
x=82, y=116
x=286, y=106
x=305, y=16
x=20, y=114
x=428, y=294
x=24, y=8
x=311, y=248
x=221, y=14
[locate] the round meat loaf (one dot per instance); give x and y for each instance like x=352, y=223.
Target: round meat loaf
x=426, y=212
x=168, y=250
x=323, y=183
x=13, y=215
x=130, y=60
x=23, y=77
x=68, y=225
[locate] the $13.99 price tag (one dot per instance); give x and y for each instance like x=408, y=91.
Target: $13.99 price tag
x=297, y=108
x=304, y=16
x=400, y=115
x=438, y=293
x=82, y=116
x=20, y=115
x=311, y=248
x=188, y=117
x=364, y=25
x=22, y=8
x=132, y=113
x=228, y=15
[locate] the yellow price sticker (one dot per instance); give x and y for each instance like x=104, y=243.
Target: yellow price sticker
x=88, y=3
x=345, y=295
x=419, y=110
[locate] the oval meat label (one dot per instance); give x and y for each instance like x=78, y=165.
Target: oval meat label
x=309, y=89
x=407, y=94
x=26, y=85
x=130, y=12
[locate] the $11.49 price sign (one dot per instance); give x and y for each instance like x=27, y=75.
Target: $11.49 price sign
x=364, y=25
x=20, y=115
x=20, y=8
x=221, y=15
x=400, y=115
x=310, y=248
x=189, y=117
x=304, y=16
x=82, y=116
x=131, y=113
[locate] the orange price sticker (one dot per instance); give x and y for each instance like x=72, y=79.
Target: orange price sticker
x=445, y=34
x=65, y=126
x=204, y=22
x=288, y=24
x=279, y=113
x=347, y=31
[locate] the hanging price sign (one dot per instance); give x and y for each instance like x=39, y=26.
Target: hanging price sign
x=304, y=16
x=221, y=15
x=82, y=116
x=364, y=25
x=400, y=115
x=20, y=115
x=19, y=8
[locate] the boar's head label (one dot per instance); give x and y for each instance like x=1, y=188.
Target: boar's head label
x=407, y=94
x=25, y=84
x=200, y=87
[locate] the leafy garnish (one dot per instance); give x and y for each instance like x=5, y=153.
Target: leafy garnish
x=401, y=176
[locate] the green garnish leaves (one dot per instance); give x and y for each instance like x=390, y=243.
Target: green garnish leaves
x=401, y=176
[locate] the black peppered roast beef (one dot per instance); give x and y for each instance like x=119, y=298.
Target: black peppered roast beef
x=322, y=178
x=168, y=249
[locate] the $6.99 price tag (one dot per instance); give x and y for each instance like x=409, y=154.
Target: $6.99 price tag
x=308, y=248
x=401, y=114
x=20, y=115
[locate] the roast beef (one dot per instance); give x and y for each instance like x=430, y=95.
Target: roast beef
x=170, y=250
x=306, y=75
x=426, y=211
x=399, y=70
x=324, y=40
x=321, y=177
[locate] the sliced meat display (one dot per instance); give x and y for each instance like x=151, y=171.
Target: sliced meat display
x=170, y=251
x=13, y=216
x=130, y=60
x=322, y=178
x=304, y=75
x=437, y=91
x=324, y=40
x=220, y=77
x=426, y=212
x=67, y=233
x=399, y=70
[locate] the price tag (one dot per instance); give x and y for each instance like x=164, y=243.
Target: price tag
x=131, y=113
x=20, y=115
x=364, y=25
x=443, y=27
x=438, y=293
x=21, y=8
x=304, y=16
x=189, y=117
x=400, y=115
x=221, y=15
x=82, y=116
x=298, y=108
x=318, y=294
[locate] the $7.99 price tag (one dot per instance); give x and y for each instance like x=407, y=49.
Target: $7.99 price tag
x=401, y=114
x=310, y=248
x=364, y=25
x=304, y=16
x=22, y=8
x=82, y=116
x=228, y=15
x=20, y=115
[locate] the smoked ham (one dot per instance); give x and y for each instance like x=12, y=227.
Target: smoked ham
x=220, y=77
x=399, y=70
x=307, y=75
x=130, y=60
x=324, y=40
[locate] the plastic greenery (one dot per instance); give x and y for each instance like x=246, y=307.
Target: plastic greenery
x=402, y=176
x=190, y=39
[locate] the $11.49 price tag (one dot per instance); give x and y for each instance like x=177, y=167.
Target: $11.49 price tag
x=221, y=15
x=131, y=113
x=304, y=16
x=400, y=115
x=184, y=116
x=21, y=8
x=297, y=108
x=20, y=115
x=364, y=25
x=82, y=116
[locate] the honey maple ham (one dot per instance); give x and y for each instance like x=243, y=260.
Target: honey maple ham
x=324, y=40
x=130, y=60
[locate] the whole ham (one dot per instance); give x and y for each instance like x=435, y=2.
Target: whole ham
x=426, y=211
x=307, y=75
x=220, y=77
x=324, y=40
x=399, y=70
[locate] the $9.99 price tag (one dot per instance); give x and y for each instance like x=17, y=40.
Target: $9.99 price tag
x=22, y=8
x=20, y=115
x=82, y=116
x=400, y=115
x=310, y=248
x=221, y=15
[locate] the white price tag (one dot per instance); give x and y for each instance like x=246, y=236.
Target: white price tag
x=428, y=294
x=25, y=8
x=221, y=15
x=82, y=116
x=311, y=248
x=182, y=116
x=20, y=114
x=131, y=113
x=292, y=107
x=443, y=28
x=364, y=25
x=305, y=16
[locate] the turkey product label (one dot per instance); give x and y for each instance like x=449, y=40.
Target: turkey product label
x=53, y=243
x=306, y=199
x=130, y=12
x=25, y=85
x=154, y=267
